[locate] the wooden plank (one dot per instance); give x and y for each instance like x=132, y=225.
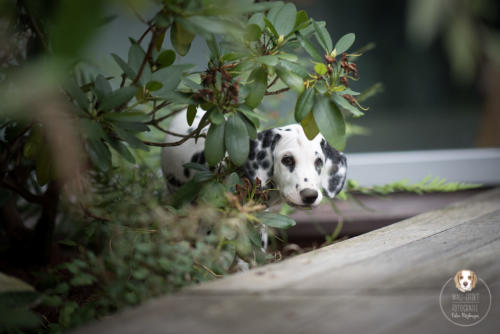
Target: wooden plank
x=372, y=212
x=386, y=281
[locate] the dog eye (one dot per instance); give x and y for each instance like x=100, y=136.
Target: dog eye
x=288, y=160
x=461, y=277
x=318, y=163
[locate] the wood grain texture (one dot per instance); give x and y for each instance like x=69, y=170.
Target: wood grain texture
x=385, y=281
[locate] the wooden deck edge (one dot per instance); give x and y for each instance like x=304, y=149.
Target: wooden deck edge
x=294, y=270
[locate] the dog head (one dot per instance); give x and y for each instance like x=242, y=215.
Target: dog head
x=465, y=280
x=298, y=167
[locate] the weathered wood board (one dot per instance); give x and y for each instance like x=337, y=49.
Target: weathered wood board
x=385, y=281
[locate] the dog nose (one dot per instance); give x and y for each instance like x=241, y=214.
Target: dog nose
x=308, y=195
x=465, y=283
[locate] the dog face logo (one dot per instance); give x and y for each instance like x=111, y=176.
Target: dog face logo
x=465, y=280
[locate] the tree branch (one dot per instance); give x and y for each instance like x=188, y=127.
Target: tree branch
x=146, y=57
x=279, y=91
x=23, y=192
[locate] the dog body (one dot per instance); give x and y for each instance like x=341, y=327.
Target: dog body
x=465, y=280
x=282, y=158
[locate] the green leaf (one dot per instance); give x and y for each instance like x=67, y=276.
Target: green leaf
x=258, y=86
x=203, y=176
x=295, y=68
x=77, y=94
x=257, y=19
x=118, y=97
x=170, y=77
x=284, y=19
x=309, y=125
x=185, y=194
x=129, y=72
x=216, y=117
x=321, y=87
x=181, y=38
x=309, y=47
x=166, y=58
x=276, y=220
x=330, y=122
x=122, y=150
x=102, y=87
x=291, y=79
x=252, y=131
x=236, y=140
x=252, y=32
x=214, y=144
x=252, y=116
x=344, y=43
x=91, y=129
x=82, y=279
x=127, y=116
x=212, y=193
x=301, y=20
x=130, y=138
x=268, y=60
x=99, y=154
x=271, y=28
x=320, y=68
x=323, y=37
x=345, y=105
x=136, y=56
x=154, y=86
x=304, y=104
x=191, y=114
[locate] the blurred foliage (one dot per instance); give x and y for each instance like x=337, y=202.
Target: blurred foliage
x=468, y=30
x=81, y=202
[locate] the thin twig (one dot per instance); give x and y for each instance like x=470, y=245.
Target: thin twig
x=179, y=142
x=272, y=82
x=89, y=214
x=146, y=57
x=279, y=91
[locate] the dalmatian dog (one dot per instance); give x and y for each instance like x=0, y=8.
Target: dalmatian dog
x=465, y=280
x=282, y=158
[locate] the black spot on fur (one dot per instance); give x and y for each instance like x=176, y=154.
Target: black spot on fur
x=288, y=130
x=270, y=172
x=276, y=138
x=333, y=183
x=261, y=155
x=265, y=164
x=296, y=186
x=305, y=179
x=255, y=165
x=268, y=138
x=260, y=136
x=187, y=172
x=173, y=181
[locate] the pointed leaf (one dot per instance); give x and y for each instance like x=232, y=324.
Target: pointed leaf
x=191, y=114
x=252, y=32
x=99, y=154
x=323, y=37
x=276, y=220
x=284, y=19
x=291, y=79
x=345, y=105
x=123, y=150
x=330, y=122
x=304, y=104
x=181, y=38
x=344, y=43
x=102, y=87
x=236, y=140
x=214, y=144
x=129, y=72
x=258, y=86
x=309, y=125
x=309, y=47
x=118, y=97
x=77, y=94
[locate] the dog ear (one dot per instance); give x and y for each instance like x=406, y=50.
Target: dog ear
x=260, y=163
x=474, y=279
x=457, y=283
x=333, y=174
